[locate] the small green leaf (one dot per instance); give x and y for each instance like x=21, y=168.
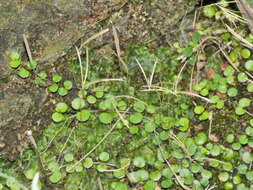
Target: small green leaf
x=14, y=56
x=62, y=91
x=139, y=162
x=88, y=162
x=14, y=64
x=209, y=11
x=187, y=52
x=150, y=185
x=250, y=87
x=230, y=138
x=150, y=127
x=77, y=103
x=91, y=99
x=69, y=157
x=166, y=183
x=55, y=177
x=61, y=107
x=204, y=116
x=68, y=84
x=31, y=65
x=139, y=106
x=53, y=88
x=58, y=117
x=23, y=73
x=53, y=166
x=247, y=157
x=133, y=129
x=104, y=156
x=136, y=118
x=249, y=176
x=223, y=176
x=242, y=77
x=99, y=94
x=228, y=186
x=56, y=78
x=105, y=118
x=249, y=65
x=232, y=92
x=244, y=102
x=200, y=138
x=83, y=115
x=245, y=53
x=239, y=111
x=42, y=75
x=199, y=109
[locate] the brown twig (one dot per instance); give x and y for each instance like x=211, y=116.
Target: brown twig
x=27, y=48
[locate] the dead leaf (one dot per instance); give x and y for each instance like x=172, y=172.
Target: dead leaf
x=200, y=65
x=210, y=73
x=223, y=66
x=247, y=12
x=214, y=138
x=247, y=149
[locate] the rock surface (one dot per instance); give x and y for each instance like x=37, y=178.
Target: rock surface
x=52, y=28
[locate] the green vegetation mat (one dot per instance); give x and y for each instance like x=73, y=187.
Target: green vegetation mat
x=180, y=118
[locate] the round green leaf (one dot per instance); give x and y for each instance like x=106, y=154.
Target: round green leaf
x=244, y=102
x=14, y=64
x=150, y=127
x=249, y=175
x=139, y=106
x=58, y=117
x=23, y=73
x=83, y=115
x=150, y=185
x=61, y=107
x=77, y=103
x=200, y=138
x=245, y=53
x=133, y=129
x=104, y=156
x=91, y=99
x=14, y=56
x=209, y=11
x=223, y=176
x=53, y=88
x=239, y=111
x=250, y=87
x=56, y=78
x=232, y=92
x=139, y=162
x=68, y=84
x=247, y=157
x=242, y=77
x=228, y=186
x=69, y=157
x=105, y=118
x=230, y=138
x=136, y=118
x=55, y=177
x=237, y=179
x=62, y=91
x=249, y=65
x=166, y=183
x=88, y=162
x=249, y=131
x=199, y=109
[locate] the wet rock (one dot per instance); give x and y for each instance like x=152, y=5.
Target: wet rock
x=20, y=109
